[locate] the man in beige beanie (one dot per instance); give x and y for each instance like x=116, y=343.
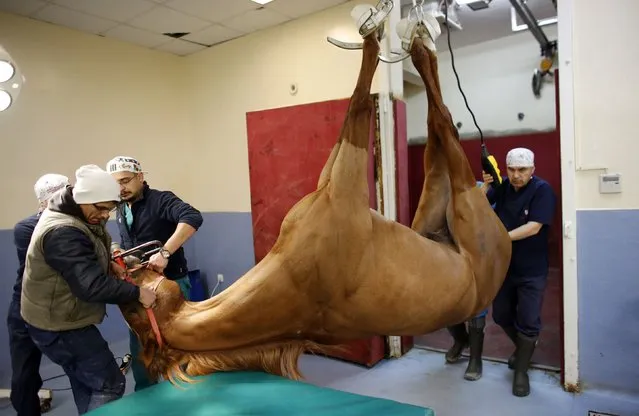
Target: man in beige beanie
x=68, y=280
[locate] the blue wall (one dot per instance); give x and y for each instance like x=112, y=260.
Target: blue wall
x=608, y=278
x=224, y=244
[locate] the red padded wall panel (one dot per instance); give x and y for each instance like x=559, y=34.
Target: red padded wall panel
x=288, y=148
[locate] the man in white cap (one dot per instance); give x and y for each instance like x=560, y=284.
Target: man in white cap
x=25, y=356
x=69, y=279
x=526, y=205
x=147, y=215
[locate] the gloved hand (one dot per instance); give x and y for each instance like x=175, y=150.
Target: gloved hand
x=147, y=297
x=117, y=270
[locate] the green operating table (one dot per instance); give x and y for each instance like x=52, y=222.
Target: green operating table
x=252, y=393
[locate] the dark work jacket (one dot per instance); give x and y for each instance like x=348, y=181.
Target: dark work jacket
x=22, y=233
x=534, y=202
x=156, y=215
x=71, y=252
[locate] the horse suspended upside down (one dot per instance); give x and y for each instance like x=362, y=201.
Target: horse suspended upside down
x=340, y=271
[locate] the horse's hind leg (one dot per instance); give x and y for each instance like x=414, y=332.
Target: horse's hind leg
x=430, y=216
x=473, y=226
x=441, y=131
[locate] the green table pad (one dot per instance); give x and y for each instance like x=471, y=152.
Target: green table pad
x=252, y=393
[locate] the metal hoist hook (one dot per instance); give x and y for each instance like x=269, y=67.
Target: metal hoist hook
x=373, y=20
x=417, y=23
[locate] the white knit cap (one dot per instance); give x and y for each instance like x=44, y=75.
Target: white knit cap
x=520, y=157
x=94, y=185
x=49, y=184
x=123, y=164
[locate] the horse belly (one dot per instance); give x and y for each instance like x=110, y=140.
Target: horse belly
x=405, y=289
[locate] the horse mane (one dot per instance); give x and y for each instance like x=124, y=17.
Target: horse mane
x=175, y=365
x=277, y=358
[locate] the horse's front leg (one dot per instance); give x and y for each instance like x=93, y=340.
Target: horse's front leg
x=349, y=174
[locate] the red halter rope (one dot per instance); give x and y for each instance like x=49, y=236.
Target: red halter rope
x=118, y=257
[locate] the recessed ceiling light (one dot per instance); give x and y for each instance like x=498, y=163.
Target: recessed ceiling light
x=6, y=71
x=5, y=100
x=261, y=1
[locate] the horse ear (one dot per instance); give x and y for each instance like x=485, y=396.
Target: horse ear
x=131, y=261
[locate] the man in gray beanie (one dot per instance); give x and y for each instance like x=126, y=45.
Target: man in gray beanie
x=69, y=279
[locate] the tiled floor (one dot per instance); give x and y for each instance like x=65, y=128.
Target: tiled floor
x=422, y=378
x=497, y=345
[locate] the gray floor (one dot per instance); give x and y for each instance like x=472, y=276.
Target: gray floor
x=422, y=378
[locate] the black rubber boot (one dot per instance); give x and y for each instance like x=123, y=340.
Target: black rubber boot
x=476, y=340
x=512, y=334
x=525, y=350
x=460, y=336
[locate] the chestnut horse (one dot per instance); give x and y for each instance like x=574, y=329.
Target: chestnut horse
x=339, y=270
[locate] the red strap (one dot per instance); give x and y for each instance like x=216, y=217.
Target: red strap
x=154, y=326
x=149, y=311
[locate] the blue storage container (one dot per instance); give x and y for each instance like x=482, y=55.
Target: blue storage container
x=198, y=286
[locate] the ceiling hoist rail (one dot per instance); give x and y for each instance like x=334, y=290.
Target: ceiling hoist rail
x=548, y=48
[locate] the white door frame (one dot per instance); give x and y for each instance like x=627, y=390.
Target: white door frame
x=391, y=85
x=569, y=210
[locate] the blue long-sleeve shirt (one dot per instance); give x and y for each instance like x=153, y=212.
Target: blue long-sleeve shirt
x=155, y=217
x=22, y=233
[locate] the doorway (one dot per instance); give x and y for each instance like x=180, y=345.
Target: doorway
x=546, y=146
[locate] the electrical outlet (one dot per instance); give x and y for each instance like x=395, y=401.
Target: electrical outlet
x=220, y=277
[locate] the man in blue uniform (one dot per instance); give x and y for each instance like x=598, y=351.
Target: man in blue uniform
x=25, y=355
x=146, y=215
x=526, y=205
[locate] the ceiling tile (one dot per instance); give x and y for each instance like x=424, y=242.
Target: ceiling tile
x=213, y=10
x=118, y=10
x=23, y=7
x=256, y=20
x=299, y=8
x=164, y=20
x=138, y=36
x=214, y=34
x=73, y=19
x=180, y=47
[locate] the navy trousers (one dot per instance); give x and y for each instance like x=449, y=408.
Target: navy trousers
x=84, y=355
x=25, y=365
x=518, y=303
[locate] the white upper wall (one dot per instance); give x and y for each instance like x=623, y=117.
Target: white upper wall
x=89, y=98
x=496, y=78
x=85, y=100
x=185, y=119
x=605, y=63
x=254, y=73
